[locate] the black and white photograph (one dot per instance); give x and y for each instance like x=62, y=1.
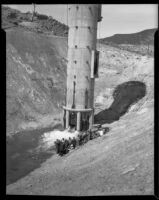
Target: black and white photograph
x=80, y=99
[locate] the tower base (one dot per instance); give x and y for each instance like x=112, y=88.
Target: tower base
x=80, y=119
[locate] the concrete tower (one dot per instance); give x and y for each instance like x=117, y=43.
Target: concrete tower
x=82, y=66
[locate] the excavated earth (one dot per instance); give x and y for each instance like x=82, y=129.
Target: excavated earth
x=36, y=76
x=118, y=163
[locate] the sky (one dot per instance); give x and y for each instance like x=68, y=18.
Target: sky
x=117, y=18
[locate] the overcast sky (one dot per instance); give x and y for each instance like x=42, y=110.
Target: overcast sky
x=117, y=18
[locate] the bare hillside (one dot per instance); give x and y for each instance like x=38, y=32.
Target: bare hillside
x=36, y=71
x=121, y=162
x=141, y=42
x=40, y=23
x=36, y=76
x=126, y=79
x=142, y=37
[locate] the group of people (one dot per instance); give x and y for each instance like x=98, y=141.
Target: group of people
x=65, y=145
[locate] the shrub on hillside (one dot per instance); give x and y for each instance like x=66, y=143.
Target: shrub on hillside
x=15, y=23
x=42, y=17
x=12, y=15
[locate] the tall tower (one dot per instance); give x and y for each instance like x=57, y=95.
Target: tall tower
x=82, y=68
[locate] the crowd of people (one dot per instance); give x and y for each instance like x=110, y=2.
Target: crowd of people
x=65, y=145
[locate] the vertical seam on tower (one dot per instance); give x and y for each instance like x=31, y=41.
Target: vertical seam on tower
x=67, y=57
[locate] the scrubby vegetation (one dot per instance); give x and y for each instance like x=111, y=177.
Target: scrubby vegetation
x=41, y=23
x=141, y=42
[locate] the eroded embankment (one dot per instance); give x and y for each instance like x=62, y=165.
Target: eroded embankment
x=120, y=162
x=124, y=95
x=36, y=76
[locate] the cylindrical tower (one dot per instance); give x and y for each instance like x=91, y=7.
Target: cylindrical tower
x=82, y=65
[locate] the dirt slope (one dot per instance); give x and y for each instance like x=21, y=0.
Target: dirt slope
x=36, y=75
x=41, y=23
x=141, y=42
x=120, y=162
x=36, y=70
x=119, y=68
x=142, y=37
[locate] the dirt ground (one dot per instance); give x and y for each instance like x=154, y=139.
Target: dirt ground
x=118, y=163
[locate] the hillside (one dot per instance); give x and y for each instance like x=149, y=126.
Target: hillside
x=141, y=42
x=36, y=76
x=119, y=163
x=130, y=74
x=143, y=37
x=36, y=68
x=40, y=24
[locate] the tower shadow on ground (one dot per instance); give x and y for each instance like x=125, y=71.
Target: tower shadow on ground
x=124, y=96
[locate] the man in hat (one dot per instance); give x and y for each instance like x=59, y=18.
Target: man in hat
x=87, y=136
x=100, y=132
x=77, y=141
x=74, y=142
x=91, y=135
x=57, y=144
x=61, y=147
x=84, y=137
x=80, y=139
x=66, y=146
x=70, y=142
x=106, y=130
